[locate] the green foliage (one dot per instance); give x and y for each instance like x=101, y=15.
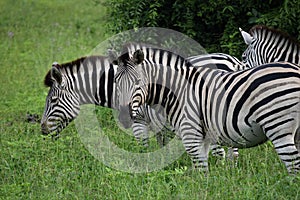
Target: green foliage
x=285, y=17
x=213, y=23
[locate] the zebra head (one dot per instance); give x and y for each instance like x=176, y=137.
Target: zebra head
x=130, y=84
x=62, y=103
x=248, y=56
x=267, y=45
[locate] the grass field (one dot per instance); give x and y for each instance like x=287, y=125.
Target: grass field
x=33, y=34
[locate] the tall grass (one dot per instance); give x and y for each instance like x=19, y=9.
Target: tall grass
x=33, y=34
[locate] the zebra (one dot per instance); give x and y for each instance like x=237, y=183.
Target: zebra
x=217, y=60
x=206, y=105
x=90, y=80
x=87, y=80
x=267, y=45
x=220, y=61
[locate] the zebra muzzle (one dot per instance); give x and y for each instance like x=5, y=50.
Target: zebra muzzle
x=125, y=116
x=132, y=112
x=45, y=129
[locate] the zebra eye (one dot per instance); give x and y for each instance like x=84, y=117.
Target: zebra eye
x=137, y=81
x=54, y=99
x=63, y=83
x=244, y=56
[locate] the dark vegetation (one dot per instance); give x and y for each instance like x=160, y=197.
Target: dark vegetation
x=212, y=23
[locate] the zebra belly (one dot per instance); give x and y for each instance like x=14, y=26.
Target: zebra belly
x=245, y=138
x=253, y=136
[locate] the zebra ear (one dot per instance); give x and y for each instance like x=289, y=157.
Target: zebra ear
x=138, y=56
x=56, y=75
x=112, y=56
x=246, y=36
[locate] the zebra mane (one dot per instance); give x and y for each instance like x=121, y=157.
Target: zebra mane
x=131, y=47
x=48, y=81
x=257, y=30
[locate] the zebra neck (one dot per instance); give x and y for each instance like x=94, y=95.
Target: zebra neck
x=93, y=80
x=166, y=89
x=291, y=54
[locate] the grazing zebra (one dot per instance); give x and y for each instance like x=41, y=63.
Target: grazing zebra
x=267, y=45
x=206, y=105
x=90, y=80
x=87, y=80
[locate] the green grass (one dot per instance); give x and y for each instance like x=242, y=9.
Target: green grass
x=33, y=34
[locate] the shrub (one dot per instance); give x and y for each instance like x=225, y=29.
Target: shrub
x=213, y=23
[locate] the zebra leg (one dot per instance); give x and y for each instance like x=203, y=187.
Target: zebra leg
x=164, y=136
x=233, y=155
x=195, y=145
x=217, y=151
x=158, y=127
x=289, y=155
x=284, y=144
x=140, y=132
x=161, y=138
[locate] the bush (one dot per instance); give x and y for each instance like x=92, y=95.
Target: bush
x=213, y=23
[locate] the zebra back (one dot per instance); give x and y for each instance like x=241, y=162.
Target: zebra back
x=218, y=61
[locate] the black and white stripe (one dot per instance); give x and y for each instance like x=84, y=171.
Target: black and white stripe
x=90, y=80
x=206, y=105
x=267, y=45
x=215, y=60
